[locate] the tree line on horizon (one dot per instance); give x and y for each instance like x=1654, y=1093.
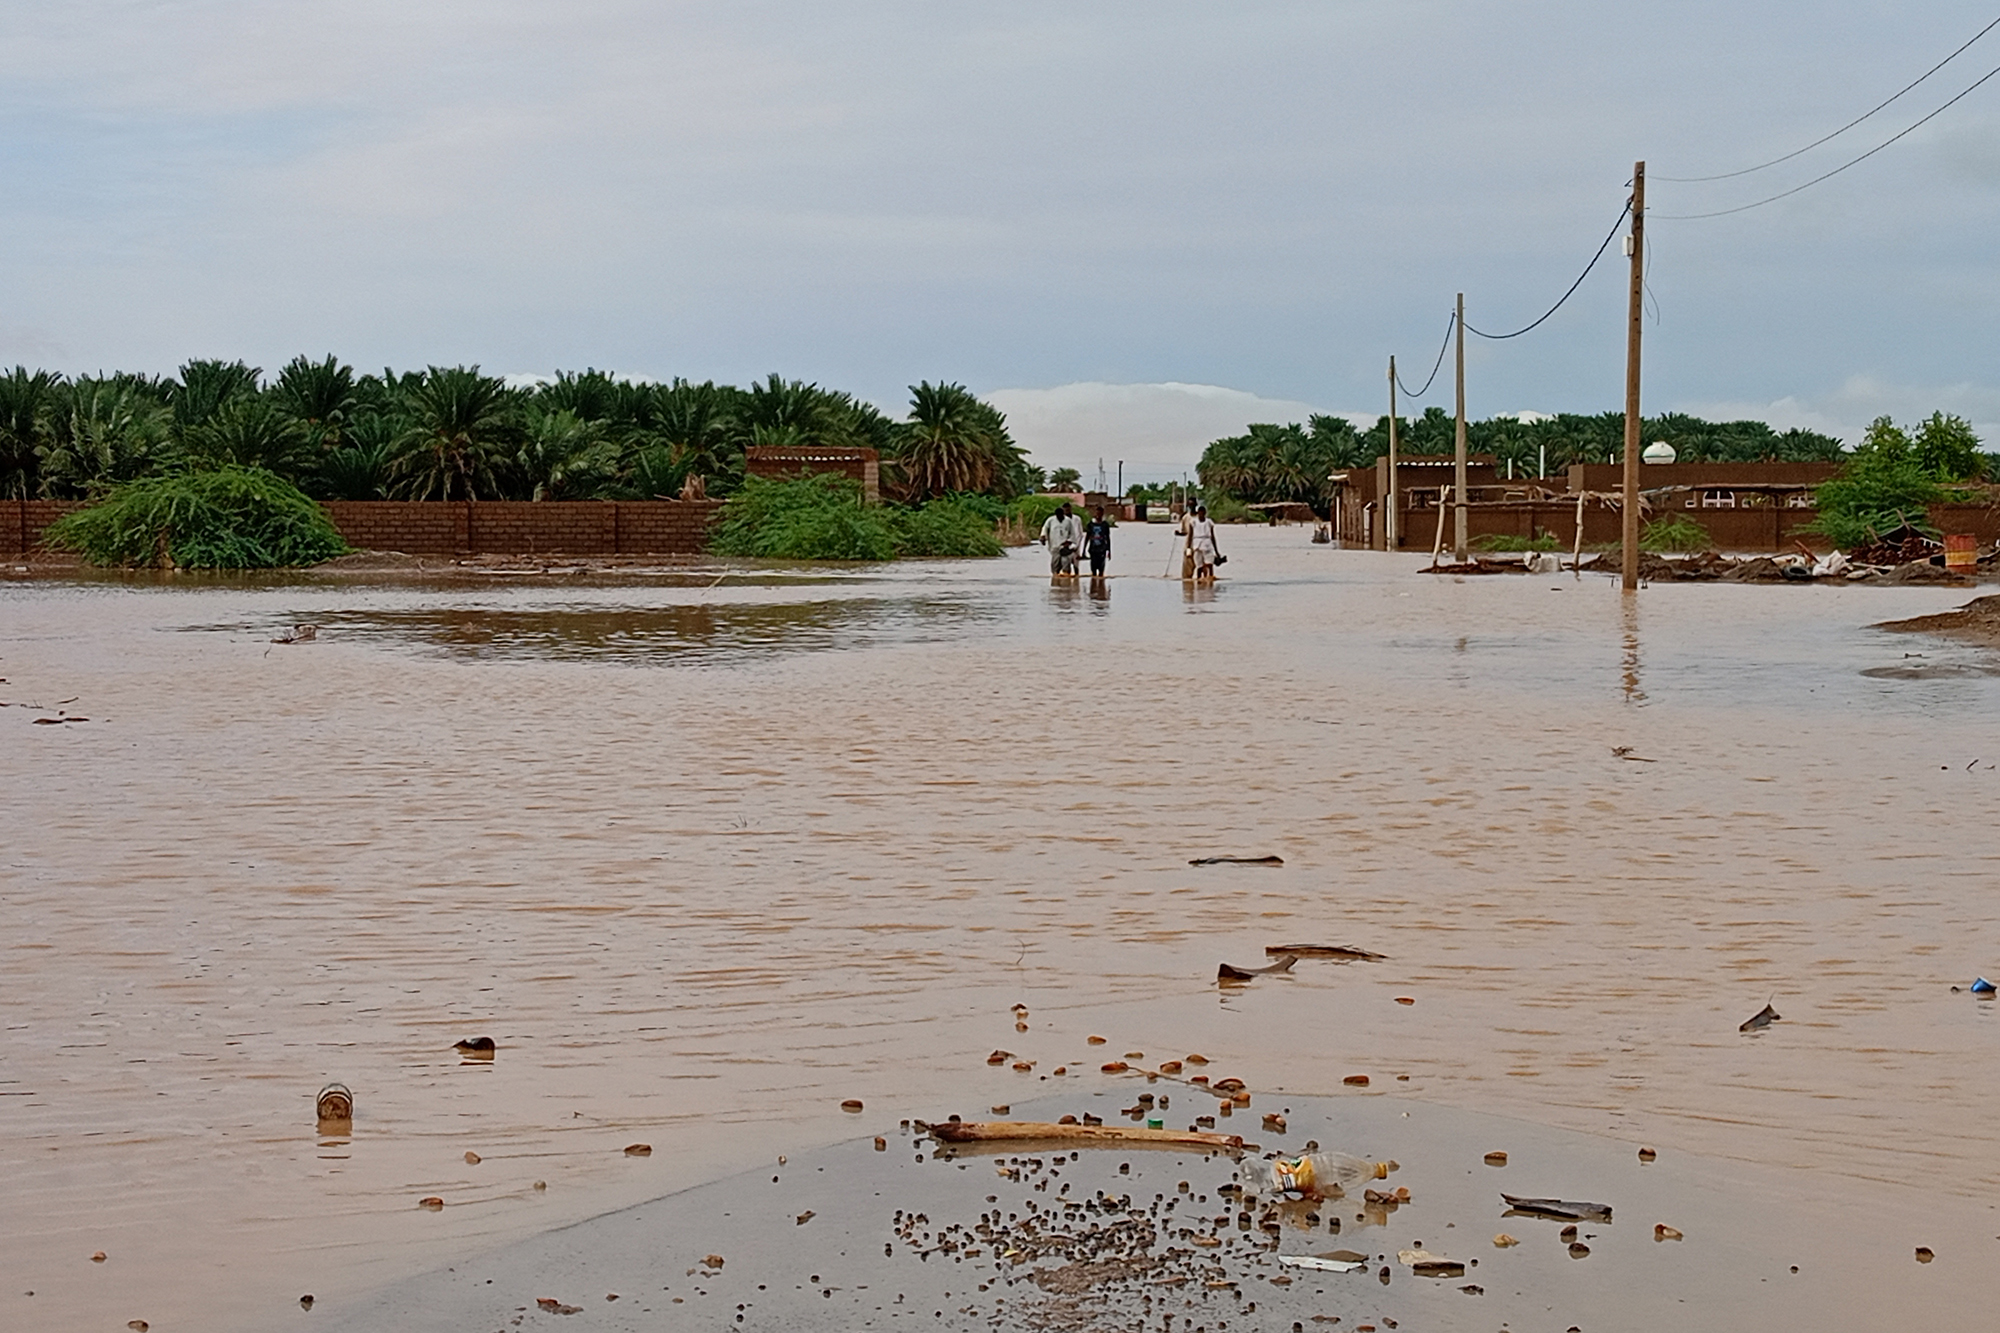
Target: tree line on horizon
x=1272, y=463
x=454, y=433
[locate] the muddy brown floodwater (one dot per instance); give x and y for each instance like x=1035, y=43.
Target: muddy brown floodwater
x=705, y=861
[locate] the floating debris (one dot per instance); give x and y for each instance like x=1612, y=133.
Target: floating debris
x=1496, y=1159
x=334, y=1106
x=851, y=1105
x=1425, y=1264
x=1001, y=1131
x=1563, y=1210
x=1661, y=1231
x=476, y=1048
x=431, y=1202
x=1346, y=952
x=1648, y=1155
x=1504, y=1241
x=1226, y=972
x=1924, y=1254
x=1237, y=861
x=1318, y=1264
x=298, y=634
x=638, y=1150
x=1763, y=1018
x=472, y=1159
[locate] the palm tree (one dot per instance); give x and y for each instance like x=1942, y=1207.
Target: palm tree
x=319, y=394
x=26, y=400
x=461, y=427
x=103, y=430
x=203, y=388
x=953, y=442
x=565, y=457
x=250, y=430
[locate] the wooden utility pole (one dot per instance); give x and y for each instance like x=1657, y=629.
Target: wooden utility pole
x=1391, y=517
x=1630, y=536
x=1458, y=461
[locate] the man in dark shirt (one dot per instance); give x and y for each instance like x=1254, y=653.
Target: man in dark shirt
x=1097, y=542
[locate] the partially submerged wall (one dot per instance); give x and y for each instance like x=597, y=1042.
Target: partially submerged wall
x=484, y=527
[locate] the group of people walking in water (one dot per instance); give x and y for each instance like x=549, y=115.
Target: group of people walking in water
x=1067, y=537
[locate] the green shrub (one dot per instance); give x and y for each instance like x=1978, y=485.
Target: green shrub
x=1229, y=509
x=805, y=518
x=945, y=528
x=227, y=518
x=1031, y=511
x=1507, y=541
x=823, y=518
x=1675, y=532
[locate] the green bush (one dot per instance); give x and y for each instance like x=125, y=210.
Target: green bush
x=945, y=528
x=1507, y=541
x=227, y=518
x=823, y=518
x=1031, y=511
x=1675, y=532
x=1229, y=509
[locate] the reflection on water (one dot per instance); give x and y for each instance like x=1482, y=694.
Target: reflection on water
x=706, y=907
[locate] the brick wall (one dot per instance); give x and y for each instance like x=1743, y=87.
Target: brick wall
x=489, y=527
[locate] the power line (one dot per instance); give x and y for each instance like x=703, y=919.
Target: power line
x=1499, y=337
x=1744, y=208
x=1444, y=347
x=1731, y=175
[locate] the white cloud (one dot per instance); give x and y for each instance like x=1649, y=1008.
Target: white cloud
x=1159, y=430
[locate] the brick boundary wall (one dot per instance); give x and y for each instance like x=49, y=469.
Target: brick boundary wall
x=484, y=527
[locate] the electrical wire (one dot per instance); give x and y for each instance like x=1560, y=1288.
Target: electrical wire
x=1731, y=175
x=1450, y=324
x=1609, y=237
x=1853, y=162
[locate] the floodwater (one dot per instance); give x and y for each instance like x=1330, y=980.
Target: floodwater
x=707, y=858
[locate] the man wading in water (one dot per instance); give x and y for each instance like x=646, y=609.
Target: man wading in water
x=1062, y=534
x=1201, y=542
x=1097, y=542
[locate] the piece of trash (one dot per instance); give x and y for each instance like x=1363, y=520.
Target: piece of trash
x=1406, y=999
x=476, y=1047
x=306, y=1301
x=804, y=1217
x=99, y=1257
x=1648, y=1155
x=712, y=1260
x=1170, y=1066
x=1392, y=1198
x=1237, y=861
x=852, y=1104
x=1924, y=1254
x=1197, y=1059
x=472, y=1159
x=1425, y=1264
x=1232, y=1086
x=58, y=721
x=1096, y=1041
x=1225, y=972
x=1321, y=1265
x=638, y=1150
x=1563, y=1210
x=554, y=1306
x=1625, y=752
x=1496, y=1159
x=1023, y=1066
x=881, y=1144
x=1578, y=1250
x=1356, y=1080
x=1982, y=987
x=999, y=1057
x=1661, y=1231
x=137, y=1325
x=430, y=1201
x=1504, y=1241
x=1473, y=1289
x=1763, y=1018
x=1274, y=1123
x=541, y=1185
x=1002, y=1131
x=1114, y=1067
x=1002, y=1110
x=298, y=634
x=1346, y=951
x=1313, y=1175
x=334, y=1105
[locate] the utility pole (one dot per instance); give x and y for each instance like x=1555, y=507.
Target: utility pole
x=1458, y=462
x=1391, y=517
x=1633, y=323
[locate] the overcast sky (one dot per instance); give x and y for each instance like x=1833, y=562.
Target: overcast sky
x=1135, y=226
